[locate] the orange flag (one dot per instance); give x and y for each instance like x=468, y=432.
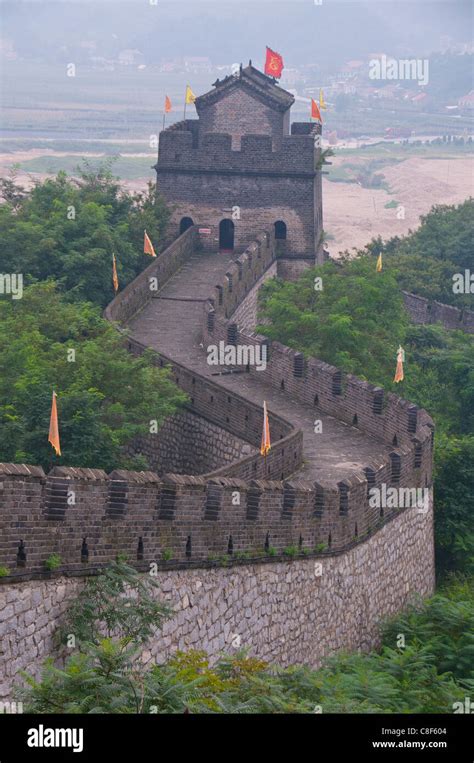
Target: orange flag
x=114, y=274
x=148, y=246
x=315, y=112
x=53, y=437
x=273, y=63
x=167, y=105
x=399, y=376
x=265, y=446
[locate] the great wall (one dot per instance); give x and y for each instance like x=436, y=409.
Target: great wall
x=285, y=555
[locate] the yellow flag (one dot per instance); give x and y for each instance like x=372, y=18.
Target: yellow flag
x=114, y=274
x=322, y=104
x=53, y=436
x=190, y=97
x=148, y=246
x=265, y=445
x=379, y=263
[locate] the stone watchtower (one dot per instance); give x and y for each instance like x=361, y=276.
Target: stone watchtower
x=239, y=170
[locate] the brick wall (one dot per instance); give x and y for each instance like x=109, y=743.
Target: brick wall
x=287, y=611
x=239, y=114
x=137, y=293
x=203, y=177
x=189, y=444
x=424, y=311
x=250, y=500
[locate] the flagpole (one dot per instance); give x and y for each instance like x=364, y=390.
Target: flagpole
x=164, y=117
x=185, y=94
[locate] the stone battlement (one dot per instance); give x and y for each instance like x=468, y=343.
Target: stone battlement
x=240, y=168
x=244, y=507
x=246, y=203
x=184, y=149
x=427, y=311
x=180, y=518
x=312, y=381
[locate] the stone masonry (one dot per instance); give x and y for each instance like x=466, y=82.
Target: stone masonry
x=337, y=563
x=239, y=162
x=286, y=612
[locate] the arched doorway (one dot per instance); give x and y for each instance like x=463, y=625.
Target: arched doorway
x=280, y=238
x=280, y=230
x=226, y=235
x=186, y=222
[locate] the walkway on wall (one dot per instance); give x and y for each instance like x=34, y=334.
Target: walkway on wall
x=171, y=323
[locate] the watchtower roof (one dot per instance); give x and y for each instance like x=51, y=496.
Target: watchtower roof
x=253, y=81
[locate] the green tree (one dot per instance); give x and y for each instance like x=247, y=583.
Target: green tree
x=106, y=397
x=116, y=613
x=68, y=228
x=356, y=321
x=426, y=260
x=454, y=478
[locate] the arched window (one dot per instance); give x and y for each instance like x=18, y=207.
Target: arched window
x=280, y=230
x=226, y=235
x=186, y=222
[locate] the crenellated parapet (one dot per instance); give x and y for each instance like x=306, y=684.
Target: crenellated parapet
x=427, y=311
x=184, y=149
x=241, y=164
x=251, y=508
x=86, y=517
x=310, y=380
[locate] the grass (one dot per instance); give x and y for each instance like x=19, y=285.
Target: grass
x=127, y=168
x=384, y=155
x=401, y=151
x=107, y=146
x=366, y=174
x=53, y=562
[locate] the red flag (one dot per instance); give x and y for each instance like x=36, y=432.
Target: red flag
x=273, y=63
x=315, y=112
x=167, y=105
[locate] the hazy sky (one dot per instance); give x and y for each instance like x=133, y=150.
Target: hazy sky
x=235, y=31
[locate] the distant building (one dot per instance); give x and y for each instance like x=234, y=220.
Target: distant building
x=240, y=168
x=7, y=51
x=100, y=62
x=130, y=57
x=290, y=77
x=421, y=100
x=466, y=103
x=389, y=91
x=88, y=45
x=171, y=66
x=197, y=64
